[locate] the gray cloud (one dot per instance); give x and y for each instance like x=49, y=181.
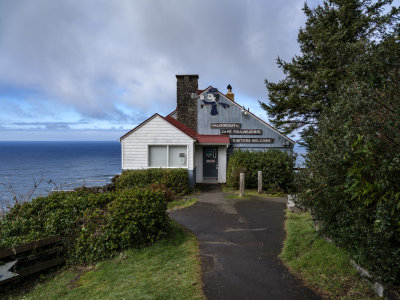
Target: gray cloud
x=46, y=125
x=61, y=135
x=116, y=60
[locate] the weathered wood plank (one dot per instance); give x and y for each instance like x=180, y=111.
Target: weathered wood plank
x=28, y=246
x=36, y=268
x=41, y=266
x=41, y=254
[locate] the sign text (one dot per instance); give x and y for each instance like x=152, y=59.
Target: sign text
x=252, y=141
x=241, y=131
x=226, y=125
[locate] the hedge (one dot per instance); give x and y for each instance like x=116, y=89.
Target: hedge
x=177, y=180
x=93, y=226
x=134, y=218
x=276, y=166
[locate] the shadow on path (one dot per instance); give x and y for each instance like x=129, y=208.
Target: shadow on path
x=240, y=240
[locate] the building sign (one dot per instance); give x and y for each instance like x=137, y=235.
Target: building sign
x=252, y=141
x=241, y=131
x=226, y=125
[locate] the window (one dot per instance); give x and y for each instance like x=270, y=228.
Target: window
x=168, y=156
x=158, y=156
x=177, y=156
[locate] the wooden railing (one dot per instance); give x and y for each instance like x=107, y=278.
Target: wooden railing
x=30, y=258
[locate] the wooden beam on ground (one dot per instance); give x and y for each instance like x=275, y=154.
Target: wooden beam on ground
x=28, y=246
x=42, y=254
x=41, y=266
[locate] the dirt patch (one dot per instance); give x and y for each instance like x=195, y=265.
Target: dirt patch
x=80, y=270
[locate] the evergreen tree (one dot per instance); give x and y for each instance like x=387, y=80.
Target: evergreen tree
x=351, y=183
x=344, y=92
x=335, y=35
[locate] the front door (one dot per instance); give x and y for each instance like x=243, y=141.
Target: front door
x=210, y=162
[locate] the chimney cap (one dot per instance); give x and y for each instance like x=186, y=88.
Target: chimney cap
x=229, y=94
x=188, y=75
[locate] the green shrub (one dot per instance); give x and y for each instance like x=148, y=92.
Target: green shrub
x=351, y=183
x=276, y=166
x=177, y=180
x=354, y=193
x=133, y=219
x=92, y=225
x=44, y=216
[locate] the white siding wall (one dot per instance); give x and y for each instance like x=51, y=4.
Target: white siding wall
x=157, y=131
x=222, y=164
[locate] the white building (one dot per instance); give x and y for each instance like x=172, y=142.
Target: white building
x=199, y=135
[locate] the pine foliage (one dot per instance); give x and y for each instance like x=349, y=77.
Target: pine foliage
x=343, y=92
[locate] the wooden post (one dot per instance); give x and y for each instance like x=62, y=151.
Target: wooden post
x=259, y=182
x=241, y=190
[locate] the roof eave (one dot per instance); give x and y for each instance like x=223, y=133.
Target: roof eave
x=213, y=144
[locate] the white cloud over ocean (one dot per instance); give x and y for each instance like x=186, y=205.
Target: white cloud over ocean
x=109, y=64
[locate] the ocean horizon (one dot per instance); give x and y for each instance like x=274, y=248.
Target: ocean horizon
x=55, y=164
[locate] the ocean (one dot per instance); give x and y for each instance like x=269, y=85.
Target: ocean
x=301, y=152
x=56, y=164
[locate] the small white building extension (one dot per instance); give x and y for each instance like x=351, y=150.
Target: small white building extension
x=157, y=143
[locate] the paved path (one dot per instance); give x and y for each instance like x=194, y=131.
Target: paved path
x=239, y=244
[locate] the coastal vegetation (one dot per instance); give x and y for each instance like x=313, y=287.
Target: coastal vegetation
x=176, y=180
x=321, y=264
x=180, y=203
x=342, y=94
x=112, y=239
x=93, y=226
x=276, y=166
x=168, y=269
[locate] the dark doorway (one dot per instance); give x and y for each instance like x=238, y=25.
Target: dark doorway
x=210, y=162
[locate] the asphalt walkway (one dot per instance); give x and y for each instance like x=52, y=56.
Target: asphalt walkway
x=240, y=240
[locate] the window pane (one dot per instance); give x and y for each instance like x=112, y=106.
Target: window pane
x=177, y=156
x=157, y=156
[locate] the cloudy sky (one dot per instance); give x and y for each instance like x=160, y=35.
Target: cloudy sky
x=93, y=69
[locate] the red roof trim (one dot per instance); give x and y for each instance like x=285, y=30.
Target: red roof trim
x=201, y=138
x=182, y=127
x=213, y=139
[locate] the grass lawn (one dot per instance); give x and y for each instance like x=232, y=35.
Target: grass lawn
x=181, y=203
x=320, y=264
x=169, y=269
x=237, y=197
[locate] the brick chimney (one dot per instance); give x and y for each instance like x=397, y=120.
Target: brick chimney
x=186, y=105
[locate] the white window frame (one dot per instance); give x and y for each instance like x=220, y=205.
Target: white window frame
x=168, y=145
